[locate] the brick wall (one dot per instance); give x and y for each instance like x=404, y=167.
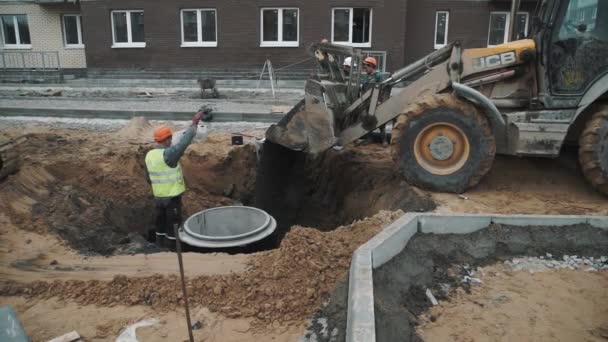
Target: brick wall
x=238, y=33
x=468, y=22
x=45, y=30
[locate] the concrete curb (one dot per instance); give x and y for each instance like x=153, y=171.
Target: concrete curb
x=127, y=114
x=393, y=239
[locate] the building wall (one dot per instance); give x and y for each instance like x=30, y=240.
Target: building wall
x=468, y=22
x=238, y=33
x=46, y=31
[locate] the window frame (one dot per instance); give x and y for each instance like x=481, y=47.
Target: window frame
x=279, y=42
x=80, y=44
x=129, y=43
x=350, y=27
x=447, y=25
x=507, y=25
x=17, y=46
x=199, y=28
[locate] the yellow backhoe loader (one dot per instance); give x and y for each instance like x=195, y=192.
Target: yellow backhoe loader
x=462, y=106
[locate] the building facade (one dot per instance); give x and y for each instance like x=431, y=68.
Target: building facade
x=241, y=35
x=475, y=23
x=41, y=34
x=235, y=34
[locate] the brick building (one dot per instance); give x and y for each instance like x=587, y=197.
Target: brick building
x=199, y=35
x=49, y=31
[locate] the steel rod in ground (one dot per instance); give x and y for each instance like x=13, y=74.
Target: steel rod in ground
x=178, y=247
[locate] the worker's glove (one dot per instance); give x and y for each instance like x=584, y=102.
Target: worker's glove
x=206, y=109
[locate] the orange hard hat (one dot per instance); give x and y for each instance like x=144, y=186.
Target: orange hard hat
x=371, y=60
x=161, y=133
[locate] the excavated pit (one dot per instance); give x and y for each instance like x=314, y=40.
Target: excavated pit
x=101, y=204
x=330, y=189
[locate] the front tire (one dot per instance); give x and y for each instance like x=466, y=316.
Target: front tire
x=593, y=150
x=443, y=144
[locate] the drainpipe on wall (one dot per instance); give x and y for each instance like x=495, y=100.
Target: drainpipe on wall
x=514, y=10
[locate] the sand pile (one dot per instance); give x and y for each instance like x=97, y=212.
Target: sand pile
x=285, y=285
x=138, y=129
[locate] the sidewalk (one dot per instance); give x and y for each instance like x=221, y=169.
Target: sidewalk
x=78, y=100
x=125, y=109
x=158, y=85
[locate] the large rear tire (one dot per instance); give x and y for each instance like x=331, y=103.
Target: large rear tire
x=442, y=143
x=593, y=150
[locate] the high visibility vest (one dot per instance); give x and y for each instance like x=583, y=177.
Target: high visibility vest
x=166, y=181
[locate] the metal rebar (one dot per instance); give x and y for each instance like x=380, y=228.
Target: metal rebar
x=178, y=247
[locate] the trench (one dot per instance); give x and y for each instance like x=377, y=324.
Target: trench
x=107, y=210
x=433, y=260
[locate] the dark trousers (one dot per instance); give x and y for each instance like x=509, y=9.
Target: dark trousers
x=168, y=213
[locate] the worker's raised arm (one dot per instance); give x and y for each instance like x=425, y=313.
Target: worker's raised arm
x=174, y=153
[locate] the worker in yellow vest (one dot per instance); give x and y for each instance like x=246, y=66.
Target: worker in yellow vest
x=164, y=173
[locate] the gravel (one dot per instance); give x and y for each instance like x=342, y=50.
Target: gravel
x=548, y=262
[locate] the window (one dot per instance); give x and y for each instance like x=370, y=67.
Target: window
x=72, y=31
x=128, y=29
x=199, y=27
x=352, y=26
x=499, y=27
x=15, y=32
x=441, y=28
x=280, y=27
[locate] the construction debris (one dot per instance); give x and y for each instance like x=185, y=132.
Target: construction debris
x=547, y=262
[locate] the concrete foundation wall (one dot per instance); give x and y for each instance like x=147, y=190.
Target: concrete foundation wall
x=394, y=238
x=46, y=30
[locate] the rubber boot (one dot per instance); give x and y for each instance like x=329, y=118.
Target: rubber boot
x=169, y=243
x=160, y=240
x=151, y=236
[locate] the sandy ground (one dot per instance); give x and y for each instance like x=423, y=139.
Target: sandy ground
x=30, y=256
x=529, y=186
x=288, y=284
x=551, y=306
x=46, y=319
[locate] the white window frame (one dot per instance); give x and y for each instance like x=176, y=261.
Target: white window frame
x=129, y=43
x=279, y=42
x=17, y=46
x=447, y=24
x=507, y=25
x=594, y=14
x=350, y=27
x=80, y=44
x=199, y=27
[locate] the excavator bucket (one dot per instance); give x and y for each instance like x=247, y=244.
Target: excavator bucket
x=312, y=126
x=309, y=130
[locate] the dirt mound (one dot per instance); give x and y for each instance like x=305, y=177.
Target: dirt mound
x=286, y=285
x=138, y=129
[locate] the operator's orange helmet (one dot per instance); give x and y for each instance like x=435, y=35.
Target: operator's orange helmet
x=371, y=61
x=161, y=133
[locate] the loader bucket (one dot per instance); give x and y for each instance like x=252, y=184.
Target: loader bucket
x=308, y=127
